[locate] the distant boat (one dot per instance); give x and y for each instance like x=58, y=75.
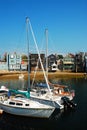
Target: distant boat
x=3, y=91
x=54, y=67
x=21, y=76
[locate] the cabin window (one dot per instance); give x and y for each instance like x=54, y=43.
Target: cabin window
x=18, y=56
x=12, y=103
x=43, y=92
x=54, y=66
x=26, y=104
x=3, y=91
x=19, y=104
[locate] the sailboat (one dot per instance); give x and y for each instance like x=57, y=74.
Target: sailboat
x=26, y=107
x=22, y=105
x=53, y=97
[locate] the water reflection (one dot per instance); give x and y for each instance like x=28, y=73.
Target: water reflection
x=15, y=84
x=8, y=121
x=57, y=121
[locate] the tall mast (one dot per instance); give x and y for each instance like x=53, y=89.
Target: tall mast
x=39, y=56
x=46, y=31
x=27, y=22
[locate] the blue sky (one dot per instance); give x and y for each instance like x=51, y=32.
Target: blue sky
x=66, y=21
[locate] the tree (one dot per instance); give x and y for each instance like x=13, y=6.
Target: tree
x=24, y=58
x=4, y=57
x=60, y=56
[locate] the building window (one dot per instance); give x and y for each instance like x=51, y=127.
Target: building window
x=12, y=61
x=11, y=56
x=18, y=56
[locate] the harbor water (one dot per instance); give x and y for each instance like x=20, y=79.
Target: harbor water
x=69, y=119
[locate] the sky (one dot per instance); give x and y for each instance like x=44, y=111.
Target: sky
x=66, y=21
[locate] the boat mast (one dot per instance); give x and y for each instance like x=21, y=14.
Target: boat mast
x=39, y=56
x=46, y=32
x=27, y=22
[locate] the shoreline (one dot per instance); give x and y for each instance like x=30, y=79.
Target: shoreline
x=39, y=75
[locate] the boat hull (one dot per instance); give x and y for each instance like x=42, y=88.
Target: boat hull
x=29, y=112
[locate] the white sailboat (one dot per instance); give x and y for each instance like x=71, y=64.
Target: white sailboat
x=25, y=106
x=53, y=97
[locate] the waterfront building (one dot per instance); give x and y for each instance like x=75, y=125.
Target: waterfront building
x=51, y=59
x=19, y=62
x=85, y=62
x=69, y=63
x=79, y=62
x=3, y=66
x=14, y=61
x=4, y=62
x=52, y=62
x=55, y=62
x=60, y=64
x=34, y=61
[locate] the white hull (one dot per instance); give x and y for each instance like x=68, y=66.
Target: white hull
x=40, y=113
x=47, y=99
x=34, y=109
x=51, y=98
